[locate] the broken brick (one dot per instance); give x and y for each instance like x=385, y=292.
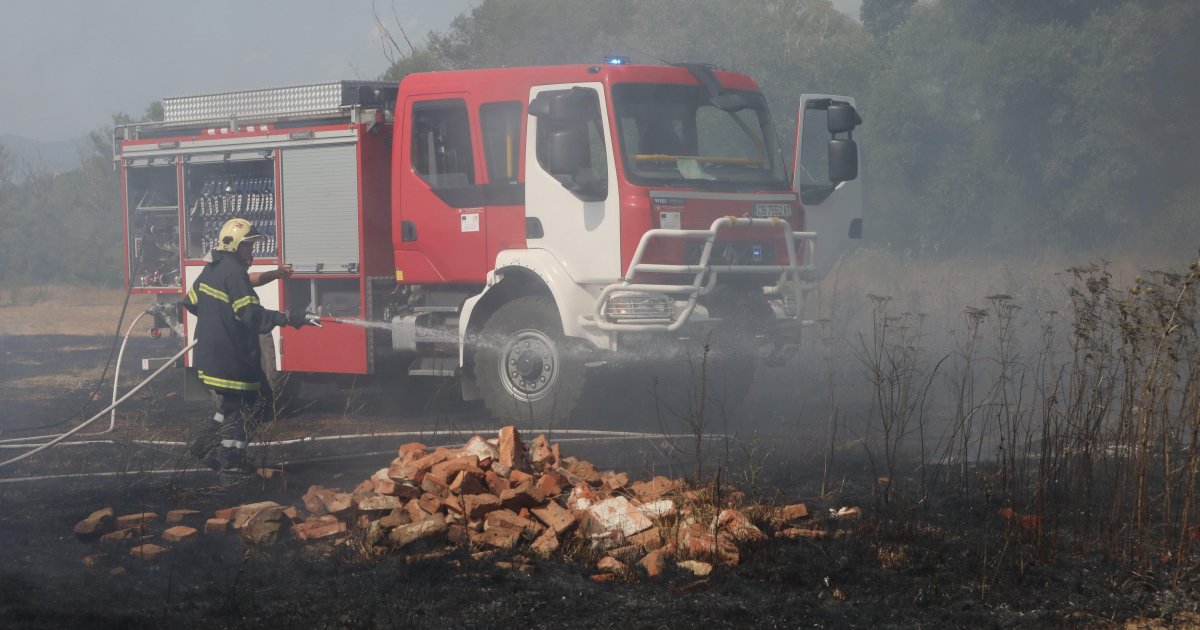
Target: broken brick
x=480, y=448
x=554, y=517
x=468, y=482
x=510, y=520
x=243, y=513
x=318, y=527
x=372, y=502
x=91, y=560
x=800, y=532
x=522, y=495
x=697, y=567
x=789, y=513
x=316, y=499
x=617, y=514
x=291, y=512
x=415, y=511
x=117, y=571
x=654, y=489
x=650, y=539
x=179, y=533
x=447, y=470
x=602, y=578
x=477, y=505
x=512, y=453
x=216, y=526
x=661, y=508
x=97, y=524
x=147, y=551
x=435, y=485
x=551, y=484
x=264, y=527
x=495, y=483
x=125, y=533
x=433, y=526
x=497, y=538
x=340, y=502
x=581, y=498
x=546, y=544
x=540, y=455
x=181, y=515
x=654, y=563
x=609, y=563
x=847, y=513
x=140, y=518
x=738, y=526
x=411, y=451
x=430, y=503
x=582, y=469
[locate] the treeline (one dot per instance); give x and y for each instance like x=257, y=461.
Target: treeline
x=1000, y=126
x=997, y=125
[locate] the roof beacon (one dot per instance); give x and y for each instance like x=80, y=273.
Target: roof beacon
x=616, y=60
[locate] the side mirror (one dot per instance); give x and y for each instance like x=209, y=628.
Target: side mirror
x=843, y=160
x=566, y=152
x=563, y=105
x=842, y=118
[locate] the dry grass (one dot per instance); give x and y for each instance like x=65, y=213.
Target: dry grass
x=67, y=310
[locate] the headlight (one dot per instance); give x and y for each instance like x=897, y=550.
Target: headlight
x=639, y=306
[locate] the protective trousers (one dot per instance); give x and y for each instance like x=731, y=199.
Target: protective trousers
x=221, y=444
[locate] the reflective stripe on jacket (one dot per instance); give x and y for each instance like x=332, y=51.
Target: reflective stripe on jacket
x=230, y=320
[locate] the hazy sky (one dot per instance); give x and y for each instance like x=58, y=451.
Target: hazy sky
x=67, y=65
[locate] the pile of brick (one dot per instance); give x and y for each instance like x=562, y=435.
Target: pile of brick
x=501, y=494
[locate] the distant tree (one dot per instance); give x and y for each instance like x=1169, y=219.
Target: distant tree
x=881, y=17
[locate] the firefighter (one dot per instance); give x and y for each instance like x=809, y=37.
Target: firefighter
x=227, y=356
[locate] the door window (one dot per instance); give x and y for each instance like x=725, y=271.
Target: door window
x=501, y=127
x=441, y=143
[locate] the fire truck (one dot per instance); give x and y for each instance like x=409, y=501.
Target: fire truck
x=515, y=229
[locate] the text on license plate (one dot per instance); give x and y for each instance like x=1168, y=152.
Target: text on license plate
x=773, y=210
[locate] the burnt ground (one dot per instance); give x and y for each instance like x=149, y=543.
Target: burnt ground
x=945, y=562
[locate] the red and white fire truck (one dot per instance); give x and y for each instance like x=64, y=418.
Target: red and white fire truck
x=514, y=228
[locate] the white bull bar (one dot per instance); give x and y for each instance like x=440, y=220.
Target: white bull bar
x=704, y=274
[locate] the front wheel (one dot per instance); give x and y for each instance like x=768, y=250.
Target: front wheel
x=525, y=368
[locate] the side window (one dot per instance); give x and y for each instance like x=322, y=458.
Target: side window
x=441, y=143
x=814, y=150
x=501, y=127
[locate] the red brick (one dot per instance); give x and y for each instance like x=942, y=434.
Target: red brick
x=97, y=524
x=497, y=538
x=609, y=563
x=698, y=568
x=395, y=518
x=522, y=495
x=435, y=485
x=181, y=515
x=430, y=503
x=546, y=544
x=551, y=484
x=581, y=498
x=117, y=571
x=430, y=460
x=495, y=483
x=411, y=451
x=216, y=526
x=554, y=517
x=316, y=499
x=602, y=578
x=179, y=533
x=798, y=532
x=540, y=455
x=653, y=563
x=468, y=482
x=582, y=469
x=415, y=512
x=614, y=481
x=125, y=533
x=446, y=471
x=341, y=502
x=510, y=520
x=318, y=527
x=477, y=505
x=513, y=455
x=738, y=526
x=847, y=513
x=789, y=513
x=291, y=512
x=92, y=560
x=432, y=527
x=378, y=502
x=1008, y=513
x=243, y=513
x=481, y=449
x=650, y=539
x=656, y=488
x=136, y=519
x=519, y=476
x=147, y=551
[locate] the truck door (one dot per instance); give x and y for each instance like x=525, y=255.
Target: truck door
x=834, y=213
x=440, y=203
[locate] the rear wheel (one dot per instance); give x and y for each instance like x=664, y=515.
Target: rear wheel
x=525, y=368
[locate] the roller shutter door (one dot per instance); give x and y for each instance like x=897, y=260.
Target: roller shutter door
x=320, y=208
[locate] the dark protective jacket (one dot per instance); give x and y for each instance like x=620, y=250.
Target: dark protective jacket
x=230, y=320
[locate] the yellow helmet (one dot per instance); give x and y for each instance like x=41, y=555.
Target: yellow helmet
x=234, y=232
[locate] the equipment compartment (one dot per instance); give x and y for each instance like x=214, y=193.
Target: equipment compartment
x=218, y=191
x=152, y=206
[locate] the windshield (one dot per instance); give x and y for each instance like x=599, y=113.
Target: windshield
x=673, y=135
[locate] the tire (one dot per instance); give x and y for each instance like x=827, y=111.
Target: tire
x=525, y=368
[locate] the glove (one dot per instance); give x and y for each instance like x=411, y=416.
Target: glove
x=298, y=318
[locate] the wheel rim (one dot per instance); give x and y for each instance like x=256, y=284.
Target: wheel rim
x=529, y=365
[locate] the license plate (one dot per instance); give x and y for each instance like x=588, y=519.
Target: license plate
x=783, y=210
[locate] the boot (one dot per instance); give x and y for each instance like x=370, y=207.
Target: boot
x=204, y=448
x=231, y=461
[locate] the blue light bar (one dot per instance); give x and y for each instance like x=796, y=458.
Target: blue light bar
x=616, y=60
